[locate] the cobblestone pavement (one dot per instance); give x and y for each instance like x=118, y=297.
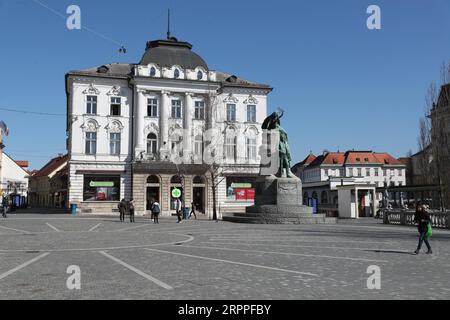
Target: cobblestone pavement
x=216, y=260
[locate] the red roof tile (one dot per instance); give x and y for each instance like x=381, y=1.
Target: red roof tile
x=51, y=166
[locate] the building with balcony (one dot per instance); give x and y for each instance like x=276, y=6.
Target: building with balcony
x=138, y=131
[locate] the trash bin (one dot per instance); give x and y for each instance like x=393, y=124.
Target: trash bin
x=73, y=208
x=186, y=213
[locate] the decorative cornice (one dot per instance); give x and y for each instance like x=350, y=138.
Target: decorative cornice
x=90, y=126
x=115, y=127
x=91, y=90
x=231, y=98
x=152, y=127
x=251, y=100
x=115, y=91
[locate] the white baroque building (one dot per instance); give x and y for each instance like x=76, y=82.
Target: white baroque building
x=135, y=129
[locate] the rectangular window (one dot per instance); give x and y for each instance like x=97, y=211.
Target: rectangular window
x=251, y=149
x=91, y=105
x=231, y=112
x=198, y=148
x=101, y=188
x=230, y=148
x=91, y=142
x=199, y=110
x=176, y=109
x=359, y=172
x=115, y=106
x=251, y=113
x=114, y=143
x=376, y=172
x=152, y=108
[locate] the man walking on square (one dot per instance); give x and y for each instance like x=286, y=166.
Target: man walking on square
x=422, y=217
x=193, y=211
x=4, y=205
x=178, y=209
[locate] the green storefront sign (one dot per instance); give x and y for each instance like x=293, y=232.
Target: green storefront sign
x=241, y=185
x=101, y=184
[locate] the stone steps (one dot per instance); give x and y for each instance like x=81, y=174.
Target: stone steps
x=279, y=220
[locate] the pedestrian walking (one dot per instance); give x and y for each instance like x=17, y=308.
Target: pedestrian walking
x=156, y=209
x=131, y=210
x=121, y=206
x=5, y=204
x=178, y=209
x=192, y=211
x=422, y=218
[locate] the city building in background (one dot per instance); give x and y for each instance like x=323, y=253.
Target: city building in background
x=358, y=173
x=141, y=131
x=14, y=180
x=48, y=186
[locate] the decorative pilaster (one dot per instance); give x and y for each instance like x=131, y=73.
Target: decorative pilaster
x=164, y=121
x=187, y=139
x=139, y=123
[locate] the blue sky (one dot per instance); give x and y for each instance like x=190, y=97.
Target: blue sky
x=342, y=85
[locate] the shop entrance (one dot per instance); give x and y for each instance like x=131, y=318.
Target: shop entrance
x=199, y=194
x=153, y=191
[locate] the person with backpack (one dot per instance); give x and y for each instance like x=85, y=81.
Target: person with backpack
x=423, y=220
x=156, y=210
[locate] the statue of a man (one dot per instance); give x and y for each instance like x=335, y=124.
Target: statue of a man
x=272, y=122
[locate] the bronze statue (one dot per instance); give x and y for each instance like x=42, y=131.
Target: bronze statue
x=272, y=122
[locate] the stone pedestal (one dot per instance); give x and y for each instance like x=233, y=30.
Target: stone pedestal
x=279, y=200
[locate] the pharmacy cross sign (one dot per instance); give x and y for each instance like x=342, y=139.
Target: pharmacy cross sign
x=176, y=193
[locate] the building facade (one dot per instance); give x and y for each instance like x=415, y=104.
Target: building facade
x=323, y=175
x=48, y=186
x=14, y=180
x=142, y=130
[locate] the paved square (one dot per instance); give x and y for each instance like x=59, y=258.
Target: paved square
x=215, y=260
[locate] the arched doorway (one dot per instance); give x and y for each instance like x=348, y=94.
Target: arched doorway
x=199, y=193
x=153, y=190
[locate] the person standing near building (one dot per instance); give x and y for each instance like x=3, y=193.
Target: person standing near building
x=4, y=205
x=178, y=209
x=156, y=209
x=121, y=207
x=192, y=211
x=131, y=210
x=422, y=218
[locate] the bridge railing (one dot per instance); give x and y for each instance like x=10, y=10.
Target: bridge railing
x=438, y=219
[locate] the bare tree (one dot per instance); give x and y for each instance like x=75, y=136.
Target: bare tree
x=435, y=132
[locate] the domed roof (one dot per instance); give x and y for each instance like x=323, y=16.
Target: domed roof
x=172, y=52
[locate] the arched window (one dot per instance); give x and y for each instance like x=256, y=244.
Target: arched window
x=153, y=180
x=324, y=197
x=152, y=144
x=314, y=195
x=305, y=198
x=175, y=180
x=199, y=180
x=152, y=72
x=199, y=75
x=176, y=74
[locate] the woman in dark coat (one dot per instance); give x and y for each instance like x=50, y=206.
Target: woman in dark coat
x=422, y=217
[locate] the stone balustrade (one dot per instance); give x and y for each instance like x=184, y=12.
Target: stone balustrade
x=438, y=219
